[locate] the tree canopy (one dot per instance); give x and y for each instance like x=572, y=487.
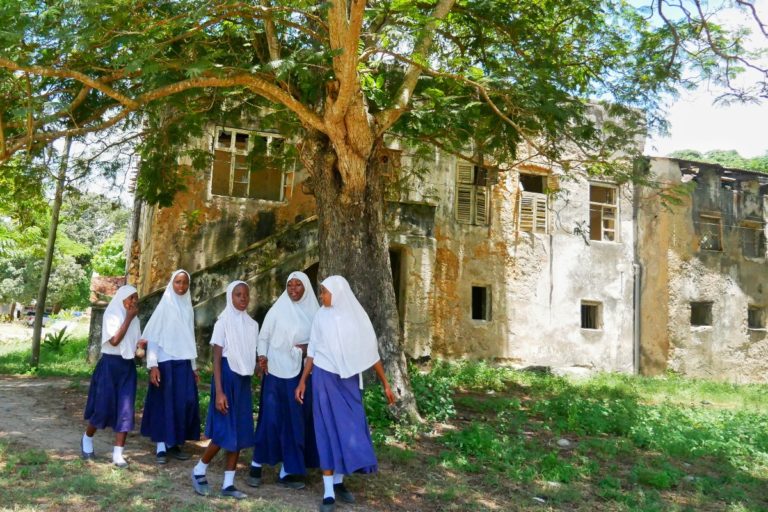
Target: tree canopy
x=726, y=158
x=491, y=73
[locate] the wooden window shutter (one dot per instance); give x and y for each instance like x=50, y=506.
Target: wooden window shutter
x=527, y=208
x=533, y=212
x=464, y=202
x=465, y=173
x=481, y=205
x=540, y=214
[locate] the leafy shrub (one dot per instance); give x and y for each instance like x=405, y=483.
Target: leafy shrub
x=56, y=340
x=434, y=396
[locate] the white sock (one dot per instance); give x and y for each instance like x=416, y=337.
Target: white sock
x=160, y=447
x=117, y=454
x=200, y=468
x=283, y=474
x=229, y=479
x=87, y=444
x=255, y=464
x=328, y=487
x=338, y=478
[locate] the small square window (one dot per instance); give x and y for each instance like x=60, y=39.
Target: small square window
x=591, y=315
x=533, y=183
x=755, y=317
x=481, y=303
x=711, y=233
x=701, y=313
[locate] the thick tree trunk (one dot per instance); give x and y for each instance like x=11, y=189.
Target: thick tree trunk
x=42, y=293
x=353, y=243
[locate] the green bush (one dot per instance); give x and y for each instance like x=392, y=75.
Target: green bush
x=55, y=341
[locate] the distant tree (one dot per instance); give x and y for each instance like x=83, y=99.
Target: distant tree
x=68, y=285
x=90, y=219
x=109, y=259
x=726, y=158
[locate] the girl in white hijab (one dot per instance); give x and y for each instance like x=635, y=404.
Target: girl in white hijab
x=112, y=393
x=342, y=345
x=171, y=409
x=281, y=433
x=230, y=413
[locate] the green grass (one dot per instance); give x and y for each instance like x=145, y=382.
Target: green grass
x=635, y=443
x=68, y=361
x=490, y=440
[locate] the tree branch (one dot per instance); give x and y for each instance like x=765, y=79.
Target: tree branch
x=345, y=66
x=272, y=42
x=74, y=75
x=386, y=118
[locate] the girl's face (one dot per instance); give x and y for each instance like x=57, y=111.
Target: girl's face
x=240, y=297
x=181, y=283
x=295, y=289
x=131, y=300
x=325, y=296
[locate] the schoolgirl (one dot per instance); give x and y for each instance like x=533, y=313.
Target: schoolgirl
x=112, y=391
x=171, y=410
x=229, y=424
x=342, y=344
x=282, y=433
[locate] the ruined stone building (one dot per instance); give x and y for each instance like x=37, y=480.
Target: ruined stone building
x=530, y=266
x=705, y=277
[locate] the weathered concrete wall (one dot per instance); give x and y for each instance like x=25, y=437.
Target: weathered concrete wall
x=537, y=281
x=727, y=349
x=201, y=229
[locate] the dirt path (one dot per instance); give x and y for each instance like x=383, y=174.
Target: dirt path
x=46, y=413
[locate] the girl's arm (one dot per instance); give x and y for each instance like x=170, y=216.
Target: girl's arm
x=130, y=314
x=222, y=405
x=379, y=369
x=299, y=394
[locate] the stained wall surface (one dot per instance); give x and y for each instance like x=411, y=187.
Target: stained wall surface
x=687, y=274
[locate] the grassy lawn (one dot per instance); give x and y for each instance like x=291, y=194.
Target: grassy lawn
x=493, y=439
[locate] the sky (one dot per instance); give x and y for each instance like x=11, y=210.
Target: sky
x=698, y=124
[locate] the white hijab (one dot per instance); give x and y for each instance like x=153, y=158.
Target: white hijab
x=286, y=325
x=241, y=332
x=114, y=316
x=172, y=325
x=348, y=338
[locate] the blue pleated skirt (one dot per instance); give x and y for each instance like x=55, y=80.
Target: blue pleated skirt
x=232, y=431
x=171, y=410
x=112, y=394
x=343, y=437
x=280, y=431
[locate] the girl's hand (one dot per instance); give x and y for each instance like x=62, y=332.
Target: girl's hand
x=131, y=311
x=154, y=376
x=263, y=365
x=222, y=404
x=389, y=394
x=299, y=394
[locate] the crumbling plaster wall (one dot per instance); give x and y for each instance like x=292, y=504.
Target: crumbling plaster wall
x=537, y=281
x=727, y=349
x=200, y=228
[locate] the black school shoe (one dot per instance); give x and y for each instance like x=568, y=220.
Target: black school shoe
x=176, y=453
x=291, y=482
x=254, y=477
x=233, y=492
x=327, y=505
x=162, y=458
x=343, y=493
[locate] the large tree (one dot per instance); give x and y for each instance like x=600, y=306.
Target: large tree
x=478, y=79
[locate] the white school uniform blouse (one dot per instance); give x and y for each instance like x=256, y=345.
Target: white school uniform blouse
x=156, y=354
x=240, y=354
